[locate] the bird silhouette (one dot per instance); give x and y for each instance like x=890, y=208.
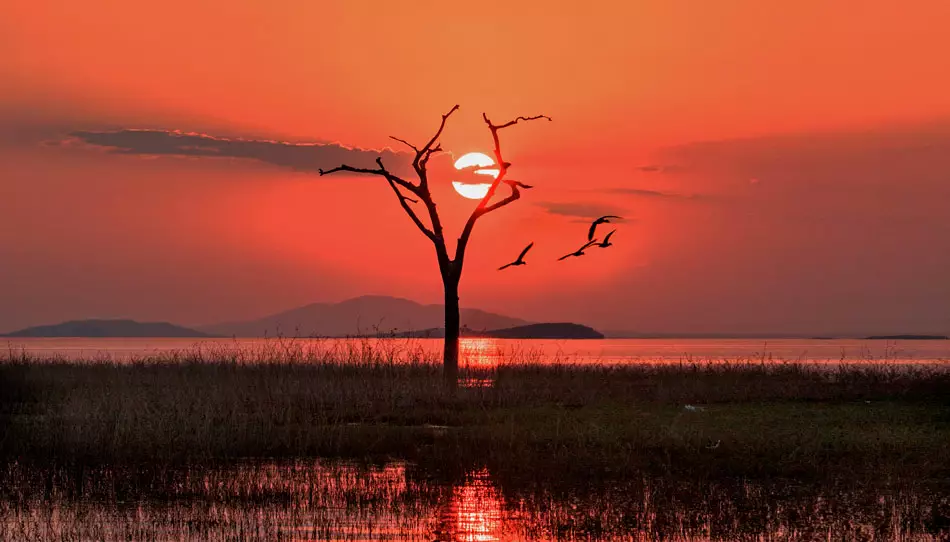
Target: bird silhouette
x=602, y=220
x=518, y=184
x=580, y=251
x=606, y=242
x=520, y=260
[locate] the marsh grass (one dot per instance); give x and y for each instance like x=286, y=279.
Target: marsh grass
x=357, y=400
x=275, y=500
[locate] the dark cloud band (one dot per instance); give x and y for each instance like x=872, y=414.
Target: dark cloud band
x=580, y=210
x=297, y=156
x=649, y=193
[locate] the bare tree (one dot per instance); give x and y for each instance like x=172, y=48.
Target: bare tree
x=450, y=267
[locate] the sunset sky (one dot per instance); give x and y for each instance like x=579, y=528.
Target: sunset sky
x=781, y=170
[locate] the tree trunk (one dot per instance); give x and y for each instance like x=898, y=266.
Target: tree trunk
x=450, y=353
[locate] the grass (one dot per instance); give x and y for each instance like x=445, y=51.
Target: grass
x=753, y=418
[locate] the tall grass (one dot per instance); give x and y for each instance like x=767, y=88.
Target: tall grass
x=356, y=399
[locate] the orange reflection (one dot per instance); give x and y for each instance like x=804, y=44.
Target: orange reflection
x=479, y=358
x=473, y=513
x=480, y=353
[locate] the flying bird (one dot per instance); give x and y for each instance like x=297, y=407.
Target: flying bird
x=602, y=220
x=606, y=243
x=580, y=251
x=520, y=260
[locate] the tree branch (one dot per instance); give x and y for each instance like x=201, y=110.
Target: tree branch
x=435, y=138
x=351, y=169
x=513, y=122
x=515, y=194
x=419, y=163
x=404, y=142
x=412, y=214
x=483, y=207
x=421, y=190
x=382, y=172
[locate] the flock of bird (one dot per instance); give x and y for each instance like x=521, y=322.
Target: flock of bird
x=591, y=242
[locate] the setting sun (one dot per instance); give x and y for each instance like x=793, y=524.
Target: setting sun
x=478, y=160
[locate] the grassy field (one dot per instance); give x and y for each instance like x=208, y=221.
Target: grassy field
x=743, y=418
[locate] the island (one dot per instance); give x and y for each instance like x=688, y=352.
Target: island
x=107, y=328
x=555, y=330
x=908, y=337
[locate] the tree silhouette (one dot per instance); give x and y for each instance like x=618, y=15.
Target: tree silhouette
x=449, y=267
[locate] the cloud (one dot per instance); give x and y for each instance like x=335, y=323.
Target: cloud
x=660, y=168
x=297, y=156
x=649, y=193
x=854, y=153
x=580, y=210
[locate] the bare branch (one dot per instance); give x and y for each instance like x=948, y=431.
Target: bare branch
x=382, y=172
x=483, y=206
x=393, y=178
x=513, y=122
x=351, y=169
x=412, y=214
x=435, y=138
x=404, y=142
x=422, y=190
x=515, y=194
x=428, y=154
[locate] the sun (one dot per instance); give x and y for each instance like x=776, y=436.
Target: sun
x=482, y=162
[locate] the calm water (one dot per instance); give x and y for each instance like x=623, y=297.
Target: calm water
x=395, y=501
x=489, y=351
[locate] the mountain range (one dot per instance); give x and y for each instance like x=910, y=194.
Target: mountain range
x=370, y=315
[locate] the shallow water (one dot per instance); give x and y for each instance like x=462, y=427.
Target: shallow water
x=319, y=500
x=482, y=352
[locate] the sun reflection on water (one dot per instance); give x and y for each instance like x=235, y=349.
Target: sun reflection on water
x=479, y=360
x=473, y=514
x=325, y=500
x=480, y=352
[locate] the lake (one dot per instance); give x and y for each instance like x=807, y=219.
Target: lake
x=481, y=352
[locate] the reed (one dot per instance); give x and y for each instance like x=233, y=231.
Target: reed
x=747, y=417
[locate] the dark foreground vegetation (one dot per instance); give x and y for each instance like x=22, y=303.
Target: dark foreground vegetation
x=746, y=418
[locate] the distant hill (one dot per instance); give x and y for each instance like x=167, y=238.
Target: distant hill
x=366, y=315
x=107, y=328
x=559, y=330
x=528, y=331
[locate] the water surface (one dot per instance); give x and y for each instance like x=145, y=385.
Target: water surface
x=491, y=351
x=320, y=500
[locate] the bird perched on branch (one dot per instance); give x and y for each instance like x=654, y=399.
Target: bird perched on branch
x=602, y=220
x=518, y=184
x=520, y=260
x=580, y=251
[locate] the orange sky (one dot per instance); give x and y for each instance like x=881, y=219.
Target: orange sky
x=819, y=209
